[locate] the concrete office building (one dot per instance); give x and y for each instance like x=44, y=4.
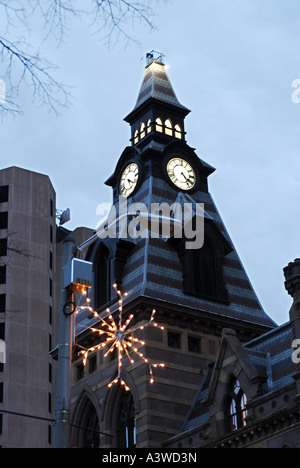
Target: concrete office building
x=30, y=285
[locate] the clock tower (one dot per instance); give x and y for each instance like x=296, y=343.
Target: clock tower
x=196, y=292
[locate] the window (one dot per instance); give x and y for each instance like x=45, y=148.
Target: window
x=51, y=233
x=92, y=364
x=158, y=125
x=174, y=340
x=102, y=278
x=178, y=132
x=236, y=407
x=3, y=220
x=126, y=424
x=51, y=207
x=204, y=267
x=79, y=372
x=2, y=302
x=49, y=402
x=149, y=125
x=168, y=127
x=91, y=427
x=142, y=131
x=2, y=331
x=135, y=137
x=2, y=274
x=3, y=247
x=4, y=193
x=194, y=344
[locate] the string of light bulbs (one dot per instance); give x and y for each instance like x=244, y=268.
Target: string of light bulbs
x=118, y=336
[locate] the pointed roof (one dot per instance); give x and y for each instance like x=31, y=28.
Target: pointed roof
x=156, y=85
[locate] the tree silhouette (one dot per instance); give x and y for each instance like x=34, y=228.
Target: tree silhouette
x=20, y=62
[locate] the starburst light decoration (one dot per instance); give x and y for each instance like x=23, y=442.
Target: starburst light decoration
x=118, y=337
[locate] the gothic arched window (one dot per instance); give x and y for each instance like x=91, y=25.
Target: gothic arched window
x=135, y=137
x=102, y=278
x=91, y=435
x=178, y=132
x=142, y=130
x=236, y=407
x=126, y=425
x=168, y=127
x=158, y=125
x=149, y=125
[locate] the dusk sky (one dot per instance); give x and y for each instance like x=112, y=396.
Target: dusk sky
x=233, y=64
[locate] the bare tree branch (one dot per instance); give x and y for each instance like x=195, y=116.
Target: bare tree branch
x=113, y=19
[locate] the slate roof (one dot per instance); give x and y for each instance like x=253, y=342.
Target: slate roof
x=270, y=352
x=154, y=269
x=156, y=84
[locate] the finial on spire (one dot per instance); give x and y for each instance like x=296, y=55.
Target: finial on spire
x=154, y=56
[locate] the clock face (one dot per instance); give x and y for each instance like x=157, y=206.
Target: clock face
x=181, y=173
x=129, y=179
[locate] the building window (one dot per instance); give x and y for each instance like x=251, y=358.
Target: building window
x=142, y=131
x=2, y=274
x=3, y=247
x=91, y=428
x=126, y=427
x=135, y=137
x=168, y=127
x=51, y=207
x=174, y=340
x=158, y=125
x=50, y=372
x=178, y=132
x=93, y=364
x=2, y=302
x=49, y=402
x=204, y=267
x=3, y=220
x=2, y=331
x=51, y=233
x=102, y=278
x=148, y=126
x=194, y=344
x=236, y=407
x=80, y=372
x=4, y=193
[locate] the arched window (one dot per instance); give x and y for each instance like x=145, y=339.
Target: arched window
x=102, y=278
x=149, y=126
x=159, y=125
x=86, y=426
x=178, y=132
x=168, y=127
x=236, y=407
x=91, y=435
x=126, y=424
x=142, y=130
x=135, y=137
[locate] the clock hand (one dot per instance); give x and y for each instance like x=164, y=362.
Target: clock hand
x=186, y=178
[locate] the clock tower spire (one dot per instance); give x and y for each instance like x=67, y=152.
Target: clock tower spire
x=158, y=114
